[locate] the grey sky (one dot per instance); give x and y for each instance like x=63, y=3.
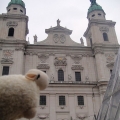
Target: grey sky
x=44, y=13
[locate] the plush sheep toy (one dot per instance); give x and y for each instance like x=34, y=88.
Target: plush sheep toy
x=19, y=95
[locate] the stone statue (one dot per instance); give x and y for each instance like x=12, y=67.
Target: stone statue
x=58, y=22
x=93, y=1
x=35, y=38
x=82, y=42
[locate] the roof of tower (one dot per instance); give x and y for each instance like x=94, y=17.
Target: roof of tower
x=94, y=6
x=17, y=2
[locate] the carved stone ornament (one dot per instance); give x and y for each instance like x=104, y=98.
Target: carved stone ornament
x=7, y=61
x=43, y=116
x=110, y=65
x=98, y=51
x=69, y=77
x=20, y=48
x=43, y=57
x=12, y=24
x=77, y=67
x=76, y=58
x=43, y=66
x=7, y=54
x=60, y=61
x=104, y=29
x=62, y=38
x=109, y=58
x=81, y=116
x=58, y=38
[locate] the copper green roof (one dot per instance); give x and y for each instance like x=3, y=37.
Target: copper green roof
x=94, y=6
x=17, y=2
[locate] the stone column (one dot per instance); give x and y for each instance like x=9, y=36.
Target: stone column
x=52, y=107
x=90, y=107
x=100, y=64
x=72, y=105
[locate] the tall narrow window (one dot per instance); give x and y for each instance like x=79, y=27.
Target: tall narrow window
x=11, y=32
x=105, y=36
x=78, y=76
x=42, y=100
x=61, y=100
x=91, y=42
x=110, y=72
x=60, y=75
x=80, y=100
x=5, y=70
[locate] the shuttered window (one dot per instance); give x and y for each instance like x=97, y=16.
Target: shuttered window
x=5, y=70
x=80, y=100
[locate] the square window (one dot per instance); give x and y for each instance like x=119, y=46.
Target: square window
x=78, y=76
x=80, y=100
x=61, y=100
x=5, y=70
x=42, y=100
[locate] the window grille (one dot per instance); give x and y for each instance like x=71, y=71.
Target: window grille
x=61, y=100
x=77, y=76
x=60, y=75
x=80, y=100
x=5, y=70
x=42, y=100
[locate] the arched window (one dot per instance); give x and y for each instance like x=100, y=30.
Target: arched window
x=105, y=36
x=60, y=75
x=11, y=32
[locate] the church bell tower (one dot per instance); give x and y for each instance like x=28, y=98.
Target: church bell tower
x=14, y=23
x=100, y=30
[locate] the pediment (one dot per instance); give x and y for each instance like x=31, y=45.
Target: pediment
x=6, y=61
x=58, y=29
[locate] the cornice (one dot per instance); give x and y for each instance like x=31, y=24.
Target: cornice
x=94, y=22
x=13, y=16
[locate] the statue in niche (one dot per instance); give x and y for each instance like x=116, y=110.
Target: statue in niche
x=93, y=1
x=58, y=22
x=69, y=77
x=52, y=77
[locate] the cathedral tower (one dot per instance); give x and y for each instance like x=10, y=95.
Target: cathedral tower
x=100, y=30
x=14, y=23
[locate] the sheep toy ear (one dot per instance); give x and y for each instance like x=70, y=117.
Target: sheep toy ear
x=30, y=76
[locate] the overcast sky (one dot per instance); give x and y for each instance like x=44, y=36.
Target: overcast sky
x=72, y=13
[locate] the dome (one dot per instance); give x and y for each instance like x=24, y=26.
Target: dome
x=17, y=2
x=94, y=6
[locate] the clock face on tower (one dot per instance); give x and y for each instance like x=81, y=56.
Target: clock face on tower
x=56, y=38
x=62, y=38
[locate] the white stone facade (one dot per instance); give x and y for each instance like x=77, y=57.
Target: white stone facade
x=60, y=52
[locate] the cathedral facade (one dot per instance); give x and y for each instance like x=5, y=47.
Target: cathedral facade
x=78, y=74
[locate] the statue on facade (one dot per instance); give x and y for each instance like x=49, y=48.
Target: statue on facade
x=58, y=22
x=82, y=42
x=35, y=38
x=93, y=1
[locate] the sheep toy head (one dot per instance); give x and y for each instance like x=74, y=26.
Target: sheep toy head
x=39, y=77
x=19, y=95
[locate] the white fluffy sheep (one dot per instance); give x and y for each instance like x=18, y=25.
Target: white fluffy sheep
x=19, y=95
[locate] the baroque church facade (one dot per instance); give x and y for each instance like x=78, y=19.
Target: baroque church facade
x=78, y=74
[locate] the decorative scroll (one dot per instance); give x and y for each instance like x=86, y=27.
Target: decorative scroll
x=43, y=66
x=77, y=67
x=60, y=61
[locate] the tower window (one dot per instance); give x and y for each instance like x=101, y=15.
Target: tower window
x=11, y=32
x=5, y=70
x=60, y=75
x=42, y=100
x=80, y=100
x=99, y=14
x=21, y=11
x=78, y=76
x=61, y=100
x=105, y=36
x=93, y=15
x=14, y=8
